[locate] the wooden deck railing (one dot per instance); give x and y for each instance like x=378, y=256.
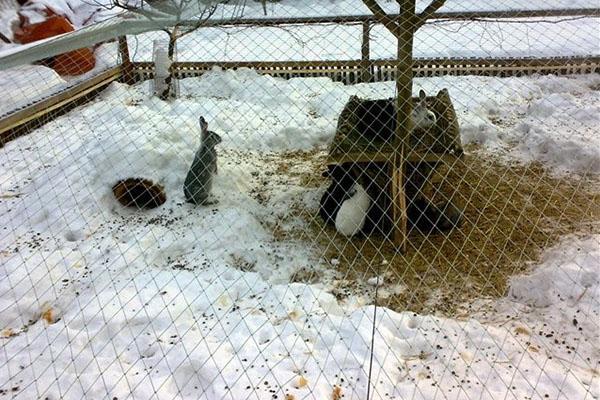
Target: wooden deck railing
x=354, y=71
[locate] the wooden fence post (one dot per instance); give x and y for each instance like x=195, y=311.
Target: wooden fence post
x=126, y=64
x=365, y=74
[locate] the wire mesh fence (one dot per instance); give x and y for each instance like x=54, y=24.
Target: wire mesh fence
x=269, y=202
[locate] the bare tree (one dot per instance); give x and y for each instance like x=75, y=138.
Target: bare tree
x=177, y=18
x=403, y=27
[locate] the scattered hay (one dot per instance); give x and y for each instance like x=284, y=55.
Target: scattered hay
x=511, y=214
x=306, y=275
x=240, y=263
x=336, y=394
x=50, y=314
x=7, y=333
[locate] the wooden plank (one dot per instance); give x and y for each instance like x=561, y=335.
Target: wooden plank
x=47, y=105
x=412, y=157
x=127, y=74
x=386, y=69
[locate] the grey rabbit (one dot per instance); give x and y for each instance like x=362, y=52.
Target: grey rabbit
x=198, y=182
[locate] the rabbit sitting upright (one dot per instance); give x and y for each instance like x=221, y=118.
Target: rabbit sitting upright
x=198, y=182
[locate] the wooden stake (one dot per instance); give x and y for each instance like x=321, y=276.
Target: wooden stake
x=126, y=64
x=399, y=214
x=365, y=53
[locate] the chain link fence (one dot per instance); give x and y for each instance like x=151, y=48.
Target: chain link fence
x=266, y=202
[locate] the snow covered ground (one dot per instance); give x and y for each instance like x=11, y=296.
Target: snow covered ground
x=537, y=37
x=216, y=332
x=28, y=84
x=310, y=8
x=196, y=302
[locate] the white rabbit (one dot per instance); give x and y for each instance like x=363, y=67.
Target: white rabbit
x=423, y=117
x=352, y=214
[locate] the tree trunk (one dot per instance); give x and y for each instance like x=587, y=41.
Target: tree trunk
x=4, y=38
x=168, y=92
x=403, y=119
x=404, y=73
x=126, y=65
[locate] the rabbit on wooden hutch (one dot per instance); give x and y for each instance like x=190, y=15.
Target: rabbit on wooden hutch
x=364, y=145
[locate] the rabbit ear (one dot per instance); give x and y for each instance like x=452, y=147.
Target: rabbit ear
x=203, y=125
x=422, y=95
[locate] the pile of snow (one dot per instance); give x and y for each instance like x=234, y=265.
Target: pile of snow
x=97, y=301
x=546, y=118
x=555, y=310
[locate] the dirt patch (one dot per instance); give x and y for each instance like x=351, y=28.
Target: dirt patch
x=511, y=214
x=139, y=193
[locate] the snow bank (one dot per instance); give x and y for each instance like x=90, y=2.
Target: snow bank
x=545, y=118
x=262, y=112
x=8, y=17
x=555, y=310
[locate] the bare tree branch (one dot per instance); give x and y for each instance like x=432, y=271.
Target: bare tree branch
x=428, y=12
x=4, y=38
x=468, y=20
x=382, y=17
x=264, y=4
x=149, y=14
x=177, y=18
x=205, y=16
